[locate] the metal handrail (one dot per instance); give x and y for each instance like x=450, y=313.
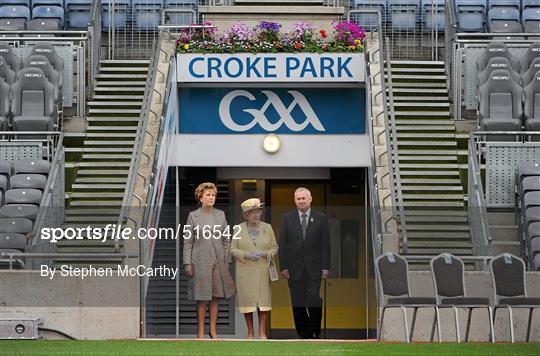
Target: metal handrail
x=45, y=204
x=94, y=34
x=141, y=134
x=396, y=188
x=476, y=200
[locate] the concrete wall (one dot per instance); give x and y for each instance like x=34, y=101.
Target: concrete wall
x=225, y=16
x=90, y=308
x=478, y=284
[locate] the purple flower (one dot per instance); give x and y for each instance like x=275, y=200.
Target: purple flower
x=301, y=29
x=268, y=26
x=239, y=32
x=349, y=31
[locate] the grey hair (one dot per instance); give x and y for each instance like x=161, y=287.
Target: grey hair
x=302, y=189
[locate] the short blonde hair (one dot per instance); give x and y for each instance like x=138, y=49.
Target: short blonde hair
x=199, y=191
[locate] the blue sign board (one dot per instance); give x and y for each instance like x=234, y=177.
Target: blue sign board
x=272, y=110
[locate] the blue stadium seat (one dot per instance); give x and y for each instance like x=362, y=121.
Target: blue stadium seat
x=368, y=21
x=471, y=15
x=121, y=10
x=529, y=4
x=10, y=24
x=530, y=19
x=505, y=4
x=403, y=14
x=77, y=13
x=146, y=14
x=16, y=2
x=433, y=15
x=179, y=18
x=42, y=24
x=15, y=11
x=47, y=3
x=505, y=20
x=55, y=12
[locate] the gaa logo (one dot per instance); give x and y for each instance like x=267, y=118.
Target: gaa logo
x=259, y=115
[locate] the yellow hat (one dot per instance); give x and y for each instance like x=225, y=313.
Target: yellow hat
x=251, y=204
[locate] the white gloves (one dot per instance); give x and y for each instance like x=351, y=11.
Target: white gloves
x=255, y=255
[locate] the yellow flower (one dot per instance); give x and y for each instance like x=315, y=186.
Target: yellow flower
x=357, y=42
x=352, y=47
x=186, y=46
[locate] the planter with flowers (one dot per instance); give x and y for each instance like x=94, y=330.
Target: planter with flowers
x=266, y=48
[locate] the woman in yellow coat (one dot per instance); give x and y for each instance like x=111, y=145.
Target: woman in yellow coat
x=254, y=245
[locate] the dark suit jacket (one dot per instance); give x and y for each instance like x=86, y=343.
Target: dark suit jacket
x=313, y=253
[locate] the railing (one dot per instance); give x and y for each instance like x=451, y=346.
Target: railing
x=477, y=210
x=16, y=257
x=483, y=259
x=394, y=168
x=333, y=3
x=139, y=141
x=94, y=36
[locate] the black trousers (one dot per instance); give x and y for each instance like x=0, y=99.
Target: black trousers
x=307, y=305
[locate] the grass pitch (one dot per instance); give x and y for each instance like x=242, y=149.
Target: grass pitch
x=145, y=347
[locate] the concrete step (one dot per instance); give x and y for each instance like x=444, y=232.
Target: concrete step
x=96, y=195
x=439, y=244
x=400, y=98
x=87, y=186
x=119, y=88
x=434, y=251
x=429, y=135
x=424, y=203
x=99, y=164
x=432, y=196
x=430, y=173
x=124, y=76
x=444, y=114
x=436, y=226
x=433, y=188
x=449, y=151
x=96, y=203
x=102, y=156
x=118, y=83
x=427, y=105
x=133, y=119
x=114, y=111
x=97, y=180
x=403, y=76
x=416, y=70
x=108, y=143
x=426, y=143
x=112, y=134
x=435, y=212
x=112, y=128
x=116, y=69
x=118, y=97
x=424, y=128
x=102, y=172
x=431, y=181
x=441, y=235
x=435, y=85
x=425, y=122
x=428, y=165
x=114, y=103
x=103, y=212
x=403, y=157
x=417, y=64
x=419, y=90
x=97, y=149
x=435, y=219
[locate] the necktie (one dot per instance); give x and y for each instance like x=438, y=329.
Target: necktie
x=304, y=225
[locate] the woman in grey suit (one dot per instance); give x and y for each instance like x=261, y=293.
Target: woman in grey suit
x=207, y=257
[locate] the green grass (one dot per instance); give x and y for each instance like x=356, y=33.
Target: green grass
x=135, y=347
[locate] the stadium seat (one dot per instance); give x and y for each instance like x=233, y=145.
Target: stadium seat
x=23, y=196
x=448, y=274
x=146, y=14
x=39, y=61
x=10, y=24
x=433, y=15
x=11, y=59
x=44, y=24
x=531, y=199
x=16, y=2
x=495, y=63
x=15, y=11
x=47, y=50
x=27, y=211
x=504, y=20
x=531, y=109
x=3, y=186
x=34, y=181
x=496, y=49
x=403, y=14
x=500, y=103
x=16, y=225
x=471, y=15
x=47, y=12
x=36, y=3
x=529, y=4
x=179, y=12
x=529, y=56
x=8, y=75
x=12, y=241
x=528, y=76
x=4, y=106
x=77, y=13
x=367, y=21
x=33, y=107
x=508, y=273
x=393, y=273
x=504, y=4
x=121, y=10
x=5, y=168
x=530, y=18
x=32, y=166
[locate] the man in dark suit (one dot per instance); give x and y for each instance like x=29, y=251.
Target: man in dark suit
x=304, y=256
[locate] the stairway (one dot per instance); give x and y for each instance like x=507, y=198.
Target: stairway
x=102, y=162
x=433, y=199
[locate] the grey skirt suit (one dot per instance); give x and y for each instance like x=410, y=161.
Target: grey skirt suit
x=207, y=254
